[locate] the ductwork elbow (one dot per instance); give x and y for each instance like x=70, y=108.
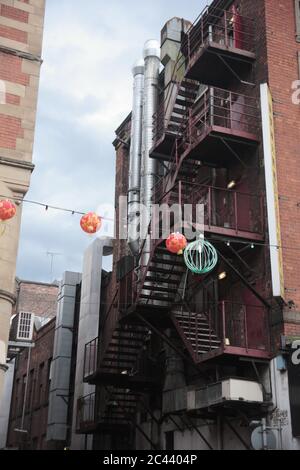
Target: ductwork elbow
x=152, y=49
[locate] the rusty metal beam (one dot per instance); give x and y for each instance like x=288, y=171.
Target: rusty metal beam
x=244, y=281
x=247, y=447
x=236, y=253
x=199, y=433
x=243, y=82
x=168, y=342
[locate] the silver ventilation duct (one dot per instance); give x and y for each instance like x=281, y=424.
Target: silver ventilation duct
x=152, y=68
x=135, y=158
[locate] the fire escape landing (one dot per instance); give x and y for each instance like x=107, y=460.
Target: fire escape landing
x=219, y=47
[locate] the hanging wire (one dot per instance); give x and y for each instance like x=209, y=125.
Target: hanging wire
x=48, y=206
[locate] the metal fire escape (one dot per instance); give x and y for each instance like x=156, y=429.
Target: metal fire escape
x=208, y=128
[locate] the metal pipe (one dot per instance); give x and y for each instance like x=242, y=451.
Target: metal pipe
x=26, y=389
x=149, y=167
x=135, y=158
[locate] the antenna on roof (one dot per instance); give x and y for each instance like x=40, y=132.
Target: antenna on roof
x=52, y=255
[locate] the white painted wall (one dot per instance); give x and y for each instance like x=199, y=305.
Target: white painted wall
x=280, y=387
x=5, y=403
x=88, y=324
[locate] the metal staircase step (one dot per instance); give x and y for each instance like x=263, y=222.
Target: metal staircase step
x=128, y=335
x=190, y=85
x=177, y=110
x=165, y=271
x=105, y=368
x=127, y=345
x=111, y=350
x=176, y=119
x=162, y=280
x=184, y=102
x=186, y=92
x=118, y=360
x=203, y=341
x=160, y=289
x=167, y=261
x=156, y=297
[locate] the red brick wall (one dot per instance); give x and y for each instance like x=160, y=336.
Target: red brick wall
x=40, y=299
x=283, y=69
x=13, y=33
x=10, y=131
x=121, y=188
x=20, y=32
x=11, y=69
x=37, y=394
x=14, y=13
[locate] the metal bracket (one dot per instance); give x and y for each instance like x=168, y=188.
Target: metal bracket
x=244, y=281
x=236, y=433
x=233, y=152
x=243, y=82
x=194, y=427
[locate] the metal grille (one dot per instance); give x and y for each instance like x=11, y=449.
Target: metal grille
x=25, y=326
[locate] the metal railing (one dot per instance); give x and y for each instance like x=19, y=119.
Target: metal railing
x=224, y=109
x=91, y=354
x=86, y=413
x=223, y=208
x=215, y=26
x=230, y=324
x=244, y=326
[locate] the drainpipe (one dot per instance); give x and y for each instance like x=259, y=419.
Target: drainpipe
x=149, y=167
x=135, y=158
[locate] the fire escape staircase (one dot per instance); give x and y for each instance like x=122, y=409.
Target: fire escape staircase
x=164, y=275
x=173, y=127
x=196, y=333
x=186, y=96
x=164, y=286
x=118, y=407
x=119, y=362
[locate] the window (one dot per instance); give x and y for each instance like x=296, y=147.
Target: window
x=297, y=13
x=30, y=389
x=49, y=377
x=16, y=404
x=41, y=384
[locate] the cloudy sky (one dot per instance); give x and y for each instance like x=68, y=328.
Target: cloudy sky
x=85, y=93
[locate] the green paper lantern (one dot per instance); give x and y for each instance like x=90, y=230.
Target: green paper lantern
x=200, y=257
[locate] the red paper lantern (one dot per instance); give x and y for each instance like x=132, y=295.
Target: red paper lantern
x=91, y=223
x=7, y=210
x=176, y=243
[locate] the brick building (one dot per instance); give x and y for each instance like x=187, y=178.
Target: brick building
x=39, y=299
x=36, y=297
x=36, y=407
x=185, y=360
x=21, y=31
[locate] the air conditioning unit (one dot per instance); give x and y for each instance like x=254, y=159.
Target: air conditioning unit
x=231, y=390
x=22, y=327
